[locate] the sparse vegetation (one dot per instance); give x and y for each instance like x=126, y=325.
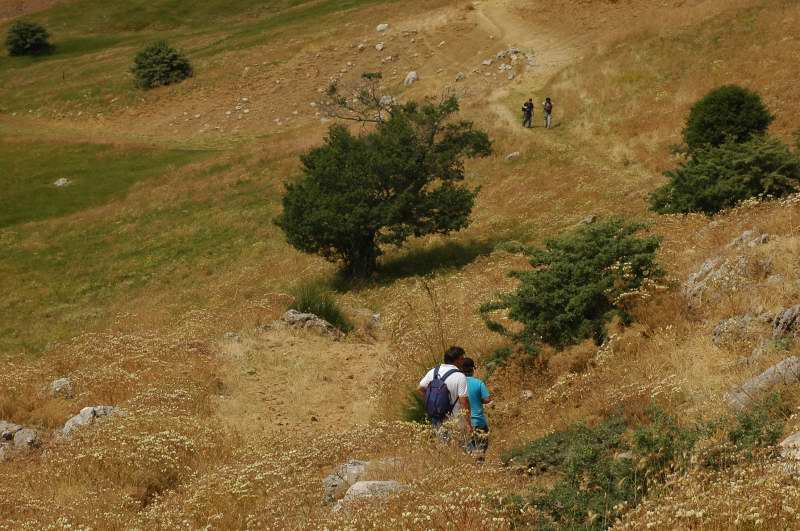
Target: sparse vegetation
x=160, y=64
x=727, y=114
x=317, y=298
x=28, y=38
x=577, y=283
x=601, y=474
x=359, y=194
x=761, y=425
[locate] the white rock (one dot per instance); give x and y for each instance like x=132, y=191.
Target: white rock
x=513, y=156
x=369, y=489
x=62, y=182
x=527, y=394
x=26, y=438
x=7, y=430
x=790, y=447
x=361, y=47
x=487, y=62
x=411, y=77
x=335, y=485
x=382, y=27
x=87, y=416
x=62, y=388
x=380, y=46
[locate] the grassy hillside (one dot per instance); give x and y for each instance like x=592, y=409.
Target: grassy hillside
x=153, y=281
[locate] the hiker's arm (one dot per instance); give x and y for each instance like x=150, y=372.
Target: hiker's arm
x=466, y=412
x=421, y=392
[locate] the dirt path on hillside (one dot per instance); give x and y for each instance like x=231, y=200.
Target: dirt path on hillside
x=552, y=53
x=298, y=383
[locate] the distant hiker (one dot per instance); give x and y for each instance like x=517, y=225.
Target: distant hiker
x=478, y=395
x=444, y=390
x=527, y=113
x=548, y=112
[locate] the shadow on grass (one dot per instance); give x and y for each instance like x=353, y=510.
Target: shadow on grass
x=420, y=262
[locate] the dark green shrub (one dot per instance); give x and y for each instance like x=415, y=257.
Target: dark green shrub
x=414, y=409
x=715, y=178
x=577, y=283
x=27, y=38
x=601, y=472
x=727, y=113
x=317, y=298
x=359, y=194
x=761, y=425
x=159, y=64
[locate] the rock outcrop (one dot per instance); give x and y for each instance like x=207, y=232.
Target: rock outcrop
x=786, y=372
x=368, y=489
x=309, y=321
x=336, y=484
x=62, y=388
x=88, y=416
x=785, y=322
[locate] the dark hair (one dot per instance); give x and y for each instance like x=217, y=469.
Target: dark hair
x=452, y=354
x=468, y=366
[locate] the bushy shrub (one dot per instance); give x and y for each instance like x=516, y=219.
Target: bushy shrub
x=761, y=425
x=27, y=38
x=601, y=473
x=317, y=298
x=160, y=64
x=727, y=113
x=715, y=178
x=577, y=283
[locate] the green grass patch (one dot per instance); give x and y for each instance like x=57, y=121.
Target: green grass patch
x=317, y=298
x=97, y=174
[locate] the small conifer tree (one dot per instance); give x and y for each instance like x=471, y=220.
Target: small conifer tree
x=28, y=38
x=160, y=64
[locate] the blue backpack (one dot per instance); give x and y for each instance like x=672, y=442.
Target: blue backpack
x=437, y=396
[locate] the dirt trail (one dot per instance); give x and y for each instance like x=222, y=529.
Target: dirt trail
x=551, y=51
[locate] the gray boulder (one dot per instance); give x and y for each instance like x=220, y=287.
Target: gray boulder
x=336, y=484
x=786, y=372
x=62, y=182
x=3, y=453
x=461, y=76
x=8, y=430
x=785, y=322
x=790, y=447
x=411, y=78
x=88, y=416
x=380, y=28
x=369, y=489
x=26, y=438
x=62, y=388
x=715, y=273
x=513, y=156
x=309, y=321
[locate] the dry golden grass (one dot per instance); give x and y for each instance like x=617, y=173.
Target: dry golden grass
x=200, y=446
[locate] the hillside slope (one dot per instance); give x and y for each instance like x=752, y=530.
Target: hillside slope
x=156, y=280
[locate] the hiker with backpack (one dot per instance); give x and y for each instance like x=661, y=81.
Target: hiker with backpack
x=527, y=113
x=548, y=112
x=444, y=391
x=478, y=395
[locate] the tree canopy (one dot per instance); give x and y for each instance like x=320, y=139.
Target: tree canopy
x=360, y=193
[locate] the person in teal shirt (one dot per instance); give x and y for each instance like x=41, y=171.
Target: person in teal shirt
x=478, y=395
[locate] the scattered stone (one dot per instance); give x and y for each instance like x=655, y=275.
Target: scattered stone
x=790, y=447
x=335, y=485
x=387, y=101
x=503, y=67
x=511, y=76
x=588, y=220
x=749, y=238
x=487, y=62
x=62, y=182
x=731, y=329
x=361, y=47
x=461, y=76
x=776, y=279
x=62, y=388
x=381, y=27
x=411, y=78
x=87, y=416
x=785, y=322
x=26, y=438
x=2, y=453
x=369, y=489
x=513, y=156
x=8, y=430
x=786, y=372
x=527, y=394
x=716, y=273
x=310, y=321
x=380, y=46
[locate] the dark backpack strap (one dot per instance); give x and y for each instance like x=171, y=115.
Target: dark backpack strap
x=448, y=373
x=436, y=372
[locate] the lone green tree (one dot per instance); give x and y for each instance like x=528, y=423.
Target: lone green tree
x=160, y=64
x=403, y=179
x=726, y=113
x=27, y=38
